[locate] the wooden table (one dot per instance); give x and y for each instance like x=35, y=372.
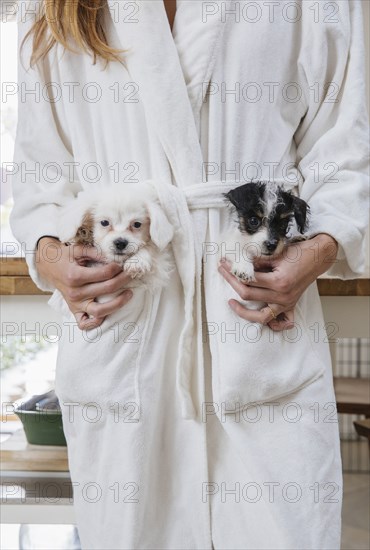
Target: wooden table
x=362, y=427
x=352, y=395
x=17, y=454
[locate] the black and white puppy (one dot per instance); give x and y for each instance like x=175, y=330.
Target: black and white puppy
x=268, y=218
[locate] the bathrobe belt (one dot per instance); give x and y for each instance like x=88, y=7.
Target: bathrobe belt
x=183, y=206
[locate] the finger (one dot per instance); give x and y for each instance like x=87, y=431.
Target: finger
x=245, y=291
x=84, y=322
x=225, y=263
x=265, y=262
x=285, y=321
x=263, y=316
x=237, y=285
x=101, y=288
x=93, y=253
x=261, y=263
x=97, y=310
x=264, y=280
x=104, y=272
x=257, y=294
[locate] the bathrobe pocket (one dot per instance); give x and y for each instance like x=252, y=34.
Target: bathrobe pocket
x=101, y=366
x=250, y=362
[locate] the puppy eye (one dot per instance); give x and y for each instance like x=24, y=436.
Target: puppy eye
x=254, y=222
x=137, y=225
x=104, y=223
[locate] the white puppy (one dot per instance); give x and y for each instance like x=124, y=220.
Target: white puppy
x=127, y=225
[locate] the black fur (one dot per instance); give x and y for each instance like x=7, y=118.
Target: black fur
x=249, y=201
x=301, y=211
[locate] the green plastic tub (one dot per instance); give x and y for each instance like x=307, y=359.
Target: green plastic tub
x=42, y=426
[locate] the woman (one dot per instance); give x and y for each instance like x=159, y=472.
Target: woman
x=242, y=451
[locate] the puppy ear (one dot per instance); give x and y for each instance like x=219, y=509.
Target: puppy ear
x=85, y=232
x=161, y=231
x=75, y=222
x=245, y=194
x=301, y=212
x=230, y=196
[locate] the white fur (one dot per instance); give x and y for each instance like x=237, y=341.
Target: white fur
x=146, y=258
x=241, y=249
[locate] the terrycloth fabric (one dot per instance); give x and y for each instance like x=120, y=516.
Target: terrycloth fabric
x=229, y=96
x=264, y=375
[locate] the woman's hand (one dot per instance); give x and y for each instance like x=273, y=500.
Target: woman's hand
x=289, y=276
x=65, y=268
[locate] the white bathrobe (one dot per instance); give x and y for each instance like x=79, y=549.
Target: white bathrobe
x=187, y=427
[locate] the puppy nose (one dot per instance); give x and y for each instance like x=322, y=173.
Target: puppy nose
x=120, y=244
x=271, y=245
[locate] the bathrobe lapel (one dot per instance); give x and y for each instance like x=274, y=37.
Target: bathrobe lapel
x=172, y=73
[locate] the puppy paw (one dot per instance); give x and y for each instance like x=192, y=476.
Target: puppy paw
x=136, y=266
x=246, y=276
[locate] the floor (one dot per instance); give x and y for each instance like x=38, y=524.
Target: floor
x=355, y=533
x=356, y=512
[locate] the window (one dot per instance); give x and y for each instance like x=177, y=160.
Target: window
x=9, y=99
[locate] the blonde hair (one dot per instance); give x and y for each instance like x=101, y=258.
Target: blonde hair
x=81, y=20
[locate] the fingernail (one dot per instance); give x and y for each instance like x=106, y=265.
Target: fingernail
x=128, y=294
x=223, y=261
